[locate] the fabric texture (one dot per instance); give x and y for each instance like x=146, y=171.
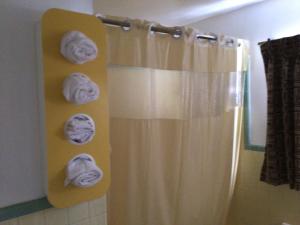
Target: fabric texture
x=80, y=129
x=78, y=48
x=173, y=127
x=139, y=47
x=82, y=171
x=79, y=89
x=282, y=156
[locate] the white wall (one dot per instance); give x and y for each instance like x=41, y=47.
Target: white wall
x=20, y=164
x=168, y=12
x=271, y=19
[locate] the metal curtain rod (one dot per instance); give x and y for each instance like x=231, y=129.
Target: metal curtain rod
x=174, y=31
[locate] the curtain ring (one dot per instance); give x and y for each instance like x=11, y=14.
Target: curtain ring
x=177, y=33
x=126, y=28
x=150, y=31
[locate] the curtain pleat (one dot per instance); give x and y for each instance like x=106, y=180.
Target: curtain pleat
x=282, y=156
x=173, y=107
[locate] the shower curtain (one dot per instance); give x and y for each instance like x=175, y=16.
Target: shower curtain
x=174, y=127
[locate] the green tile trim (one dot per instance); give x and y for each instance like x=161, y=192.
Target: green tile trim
x=247, y=107
x=22, y=209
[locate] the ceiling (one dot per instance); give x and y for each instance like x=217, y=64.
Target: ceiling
x=169, y=12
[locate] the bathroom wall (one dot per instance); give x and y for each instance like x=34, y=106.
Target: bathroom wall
x=270, y=19
x=89, y=213
x=19, y=133
x=20, y=155
x=168, y=12
x=257, y=203
x=254, y=202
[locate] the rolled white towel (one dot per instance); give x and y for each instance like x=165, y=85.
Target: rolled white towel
x=82, y=171
x=80, y=129
x=79, y=89
x=78, y=48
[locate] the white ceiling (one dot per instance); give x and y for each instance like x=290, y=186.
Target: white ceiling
x=169, y=12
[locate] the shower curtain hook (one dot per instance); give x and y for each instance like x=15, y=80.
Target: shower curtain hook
x=177, y=33
x=127, y=28
x=152, y=24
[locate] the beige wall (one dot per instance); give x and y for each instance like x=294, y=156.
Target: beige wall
x=88, y=213
x=257, y=203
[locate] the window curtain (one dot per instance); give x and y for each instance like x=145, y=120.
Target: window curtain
x=174, y=125
x=282, y=156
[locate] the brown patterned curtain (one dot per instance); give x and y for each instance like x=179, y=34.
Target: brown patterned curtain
x=282, y=156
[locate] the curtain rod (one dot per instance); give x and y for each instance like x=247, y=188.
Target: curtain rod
x=174, y=31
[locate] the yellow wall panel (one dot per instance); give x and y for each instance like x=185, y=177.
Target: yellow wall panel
x=55, y=23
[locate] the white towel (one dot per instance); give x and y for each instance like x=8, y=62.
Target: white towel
x=80, y=129
x=78, y=48
x=79, y=89
x=82, y=171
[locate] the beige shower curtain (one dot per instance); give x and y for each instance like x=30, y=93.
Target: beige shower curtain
x=174, y=127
